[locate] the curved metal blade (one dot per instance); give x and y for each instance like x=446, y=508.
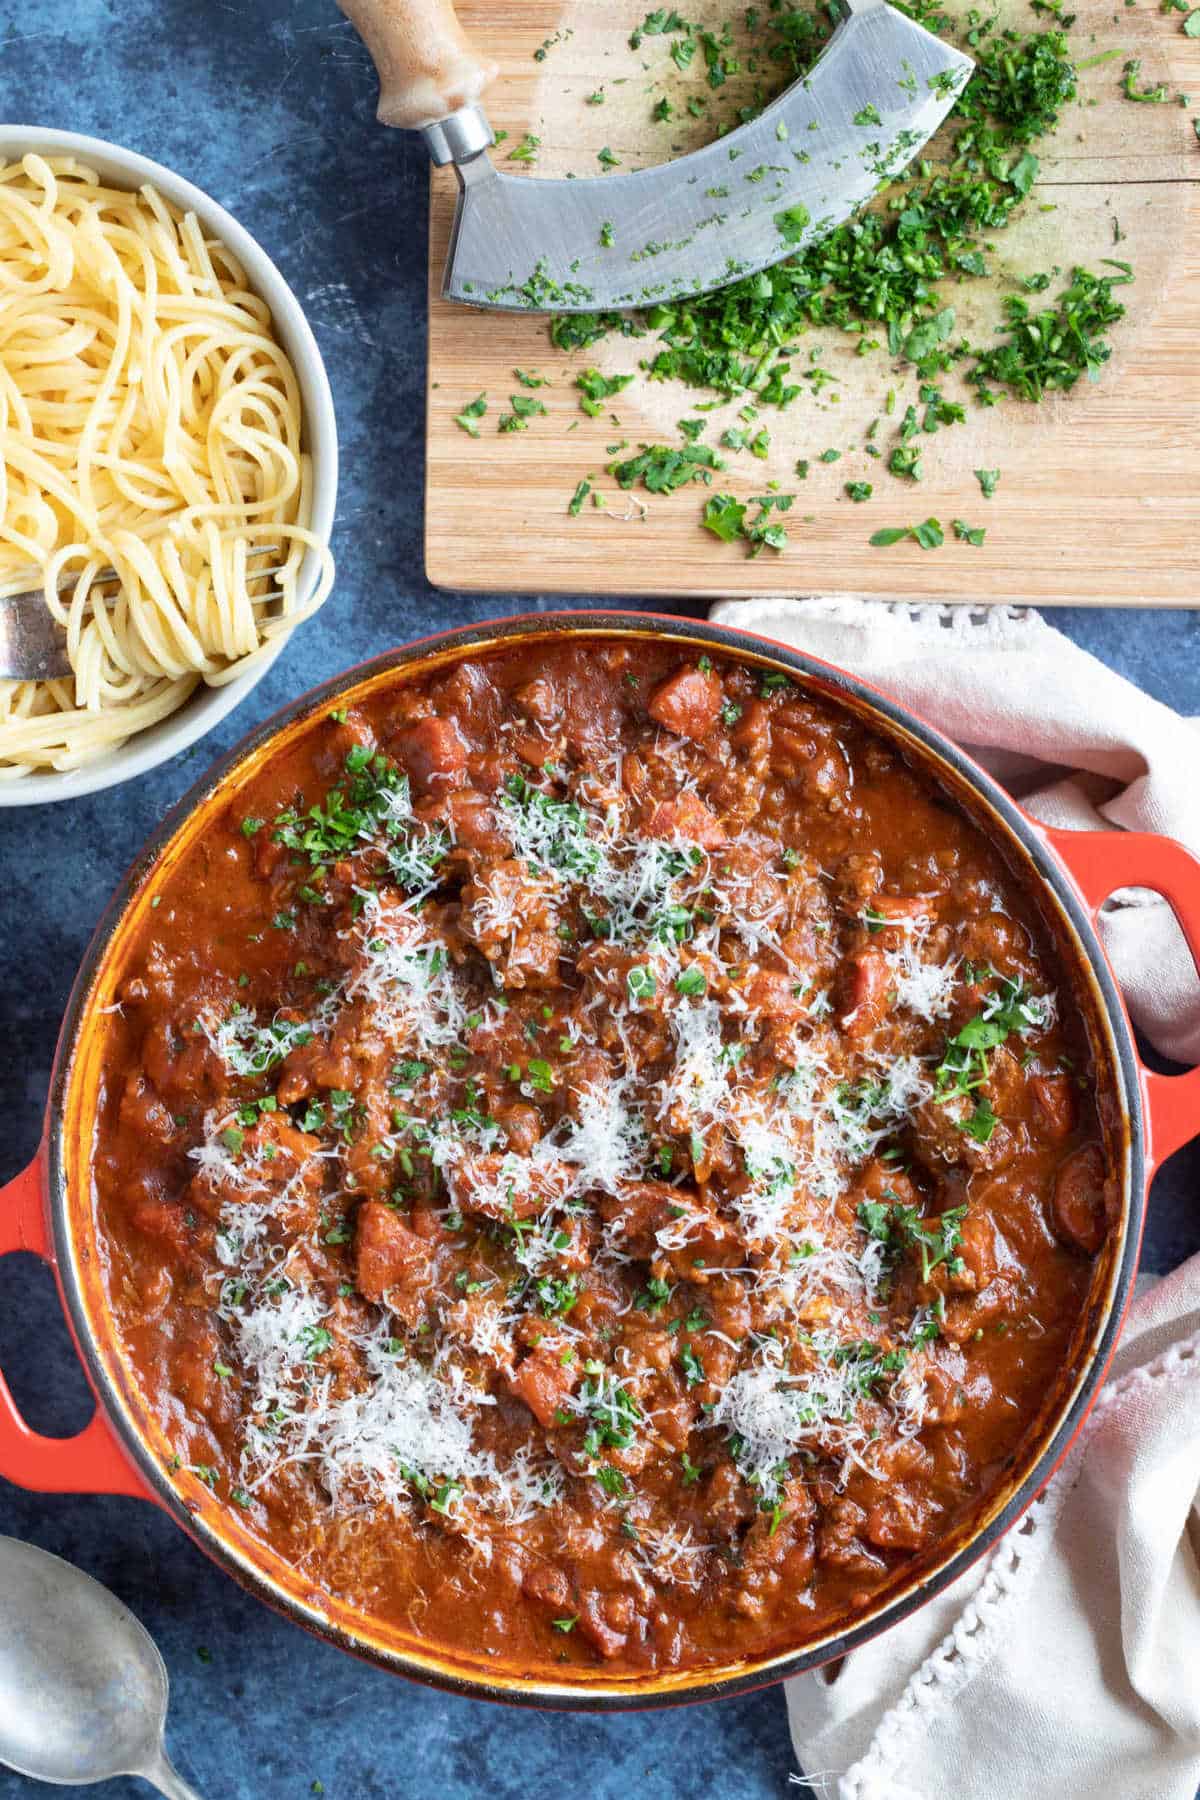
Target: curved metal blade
x=878, y=92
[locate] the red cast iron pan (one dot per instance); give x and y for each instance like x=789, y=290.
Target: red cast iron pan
x=48, y=1209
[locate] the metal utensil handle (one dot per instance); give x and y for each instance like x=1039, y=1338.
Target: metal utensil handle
x=427, y=68
x=163, y=1774
x=91, y=1462
x=1102, y=861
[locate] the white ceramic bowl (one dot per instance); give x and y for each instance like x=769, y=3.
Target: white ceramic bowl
x=125, y=168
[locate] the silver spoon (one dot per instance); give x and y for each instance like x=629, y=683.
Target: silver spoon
x=83, y=1689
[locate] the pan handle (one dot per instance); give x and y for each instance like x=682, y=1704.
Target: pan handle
x=1102, y=861
x=91, y=1462
x=428, y=71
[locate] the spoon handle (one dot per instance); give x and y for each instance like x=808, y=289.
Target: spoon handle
x=162, y=1774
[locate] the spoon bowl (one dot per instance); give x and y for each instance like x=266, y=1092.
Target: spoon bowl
x=83, y=1689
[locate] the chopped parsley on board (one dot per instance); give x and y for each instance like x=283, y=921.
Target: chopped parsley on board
x=727, y=518
x=885, y=278
x=468, y=419
x=929, y=535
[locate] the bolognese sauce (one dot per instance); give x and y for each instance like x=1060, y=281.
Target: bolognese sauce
x=599, y=1159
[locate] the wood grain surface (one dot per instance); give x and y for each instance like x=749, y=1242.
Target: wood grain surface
x=1099, y=496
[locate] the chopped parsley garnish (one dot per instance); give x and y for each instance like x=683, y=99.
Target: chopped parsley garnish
x=880, y=275
x=901, y=1228
x=867, y=1368
x=641, y=983
x=556, y=1296
x=656, y=1293
x=524, y=407
x=540, y=1076
x=928, y=534
x=1010, y=1010
x=981, y=1123
x=560, y=826
x=405, y=1075
x=662, y=470
x=613, y=1415
x=1050, y=350
x=315, y=1340
x=1153, y=96
x=727, y=518
x=468, y=419
x=723, y=516
x=595, y=389
x=372, y=801
x=792, y=223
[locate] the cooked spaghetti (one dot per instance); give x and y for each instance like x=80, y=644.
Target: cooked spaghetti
x=151, y=426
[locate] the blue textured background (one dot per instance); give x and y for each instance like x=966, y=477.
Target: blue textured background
x=269, y=107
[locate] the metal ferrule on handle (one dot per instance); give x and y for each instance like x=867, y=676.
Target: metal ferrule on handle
x=459, y=137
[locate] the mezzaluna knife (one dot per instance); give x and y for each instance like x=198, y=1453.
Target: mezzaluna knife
x=879, y=90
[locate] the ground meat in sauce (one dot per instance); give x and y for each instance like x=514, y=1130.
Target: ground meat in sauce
x=599, y=1159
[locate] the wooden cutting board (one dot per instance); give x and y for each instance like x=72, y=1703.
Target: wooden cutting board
x=1099, y=496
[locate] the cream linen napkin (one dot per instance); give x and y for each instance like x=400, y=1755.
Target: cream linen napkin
x=1066, y=1664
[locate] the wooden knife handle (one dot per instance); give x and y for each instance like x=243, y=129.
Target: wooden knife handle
x=426, y=66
